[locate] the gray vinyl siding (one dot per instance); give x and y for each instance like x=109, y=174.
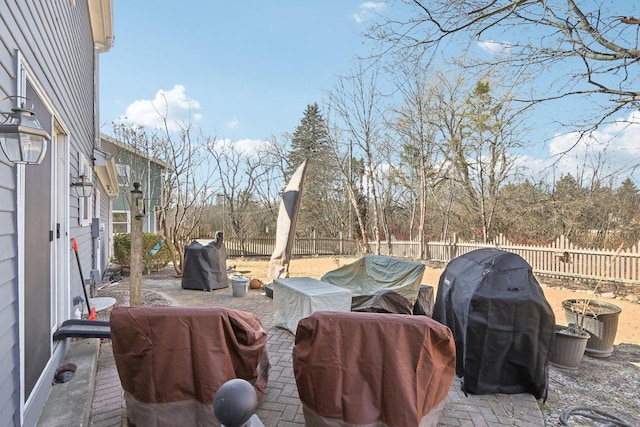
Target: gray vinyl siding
x=55, y=40
x=9, y=350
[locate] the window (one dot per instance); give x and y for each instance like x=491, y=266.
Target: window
x=120, y=222
x=85, y=202
x=124, y=172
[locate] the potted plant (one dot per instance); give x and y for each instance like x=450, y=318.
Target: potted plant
x=568, y=346
x=599, y=319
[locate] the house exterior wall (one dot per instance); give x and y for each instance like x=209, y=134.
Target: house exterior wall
x=134, y=166
x=49, y=44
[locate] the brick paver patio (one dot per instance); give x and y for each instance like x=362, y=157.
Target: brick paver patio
x=281, y=406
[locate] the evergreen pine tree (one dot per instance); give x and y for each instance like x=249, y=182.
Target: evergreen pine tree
x=321, y=191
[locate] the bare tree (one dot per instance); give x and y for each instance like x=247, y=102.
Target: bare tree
x=466, y=135
x=585, y=48
x=358, y=106
x=350, y=170
x=482, y=159
x=249, y=181
x=184, y=183
x=274, y=164
x=423, y=160
x=134, y=162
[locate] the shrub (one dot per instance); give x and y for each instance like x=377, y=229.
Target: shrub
x=122, y=251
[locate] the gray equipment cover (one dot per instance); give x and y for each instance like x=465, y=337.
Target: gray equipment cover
x=205, y=266
x=380, y=283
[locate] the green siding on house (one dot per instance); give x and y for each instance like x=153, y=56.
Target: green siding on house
x=134, y=166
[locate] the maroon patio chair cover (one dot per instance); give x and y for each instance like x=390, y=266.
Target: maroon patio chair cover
x=367, y=369
x=172, y=360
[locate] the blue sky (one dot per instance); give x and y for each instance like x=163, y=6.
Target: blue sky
x=245, y=71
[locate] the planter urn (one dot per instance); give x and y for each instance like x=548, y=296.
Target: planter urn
x=600, y=320
x=568, y=347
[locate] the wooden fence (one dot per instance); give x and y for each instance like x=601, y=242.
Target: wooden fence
x=560, y=259
x=301, y=247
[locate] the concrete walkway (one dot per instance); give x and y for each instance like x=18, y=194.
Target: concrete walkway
x=281, y=406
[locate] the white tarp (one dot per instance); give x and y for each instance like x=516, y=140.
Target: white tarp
x=298, y=297
x=286, y=226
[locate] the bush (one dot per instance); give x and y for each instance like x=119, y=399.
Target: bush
x=122, y=251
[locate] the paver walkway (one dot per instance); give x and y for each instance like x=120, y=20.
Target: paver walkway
x=281, y=406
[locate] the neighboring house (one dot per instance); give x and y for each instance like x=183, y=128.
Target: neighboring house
x=49, y=53
x=133, y=165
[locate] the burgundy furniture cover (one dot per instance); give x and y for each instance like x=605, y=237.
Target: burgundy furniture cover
x=172, y=360
x=367, y=369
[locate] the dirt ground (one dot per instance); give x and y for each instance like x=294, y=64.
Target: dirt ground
x=628, y=324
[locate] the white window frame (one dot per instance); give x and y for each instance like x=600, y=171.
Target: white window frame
x=85, y=203
x=128, y=223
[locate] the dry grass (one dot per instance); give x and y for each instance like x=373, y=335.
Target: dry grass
x=628, y=326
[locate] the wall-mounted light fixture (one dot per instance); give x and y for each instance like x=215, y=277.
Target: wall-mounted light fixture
x=82, y=185
x=22, y=138
x=139, y=200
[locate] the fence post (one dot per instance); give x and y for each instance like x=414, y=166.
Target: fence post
x=453, y=246
x=315, y=246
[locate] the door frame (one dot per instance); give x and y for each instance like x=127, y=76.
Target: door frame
x=59, y=253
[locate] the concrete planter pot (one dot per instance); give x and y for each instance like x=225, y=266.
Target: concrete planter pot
x=568, y=347
x=600, y=320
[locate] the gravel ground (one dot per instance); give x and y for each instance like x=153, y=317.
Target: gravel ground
x=611, y=385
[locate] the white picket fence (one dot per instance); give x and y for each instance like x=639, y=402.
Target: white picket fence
x=560, y=259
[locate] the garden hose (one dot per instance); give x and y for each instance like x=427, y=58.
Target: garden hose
x=592, y=413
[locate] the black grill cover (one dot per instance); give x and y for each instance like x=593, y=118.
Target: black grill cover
x=502, y=324
x=205, y=266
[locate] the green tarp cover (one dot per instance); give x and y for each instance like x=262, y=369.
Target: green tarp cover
x=380, y=283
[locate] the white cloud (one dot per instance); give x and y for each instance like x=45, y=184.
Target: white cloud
x=610, y=154
x=610, y=150
x=536, y=170
x=367, y=9
x=251, y=147
x=244, y=147
x=174, y=104
x=233, y=123
x=494, y=47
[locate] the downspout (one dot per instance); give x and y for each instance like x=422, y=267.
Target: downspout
x=96, y=276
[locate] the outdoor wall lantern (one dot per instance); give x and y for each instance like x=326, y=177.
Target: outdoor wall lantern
x=82, y=185
x=140, y=204
x=22, y=138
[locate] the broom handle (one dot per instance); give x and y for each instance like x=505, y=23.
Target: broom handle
x=84, y=289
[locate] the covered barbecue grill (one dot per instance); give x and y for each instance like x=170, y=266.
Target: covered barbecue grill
x=205, y=266
x=502, y=323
